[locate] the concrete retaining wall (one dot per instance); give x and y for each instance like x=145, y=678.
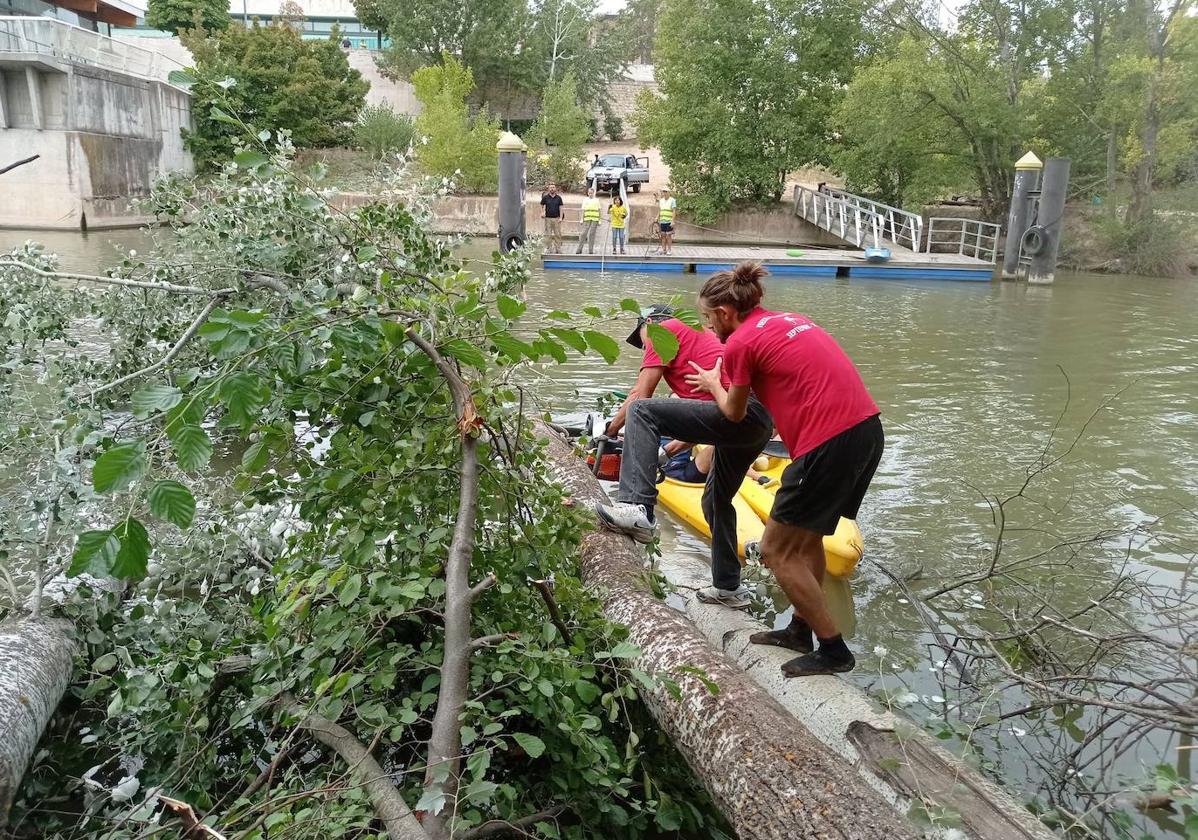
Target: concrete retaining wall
x=103, y=140
x=477, y=215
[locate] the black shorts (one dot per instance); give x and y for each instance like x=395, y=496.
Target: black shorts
x=830, y=481
x=666, y=227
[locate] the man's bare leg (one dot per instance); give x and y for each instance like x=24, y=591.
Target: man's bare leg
x=796, y=557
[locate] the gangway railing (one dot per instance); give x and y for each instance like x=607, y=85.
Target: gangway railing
x=73, y=44
x=840, y=216
x=901, y=227
x=966, y=237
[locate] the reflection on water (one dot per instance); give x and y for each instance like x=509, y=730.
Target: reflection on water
x=972, y=378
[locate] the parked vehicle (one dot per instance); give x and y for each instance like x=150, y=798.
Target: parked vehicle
x=609, y=170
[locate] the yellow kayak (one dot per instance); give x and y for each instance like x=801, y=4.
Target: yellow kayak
x=685, y=501
x=843, y=549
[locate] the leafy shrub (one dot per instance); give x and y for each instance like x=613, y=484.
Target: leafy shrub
x=1158, y=248
x=270, y=76
x=613, y=127
x=451, y=143
x=380, y=131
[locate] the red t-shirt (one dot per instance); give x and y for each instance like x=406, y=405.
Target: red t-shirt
x=801, y=376
x=693, y=346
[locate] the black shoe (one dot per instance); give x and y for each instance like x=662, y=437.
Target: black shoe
x=817, y=662
x=787, y=637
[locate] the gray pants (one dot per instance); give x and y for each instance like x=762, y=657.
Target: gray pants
x=586, y=234
x=737, y=445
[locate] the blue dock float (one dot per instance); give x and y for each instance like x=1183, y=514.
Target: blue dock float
x=902, y=264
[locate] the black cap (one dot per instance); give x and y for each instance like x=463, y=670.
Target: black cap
x=657, y=312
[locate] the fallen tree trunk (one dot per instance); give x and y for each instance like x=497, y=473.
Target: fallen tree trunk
x=36, y=659
x=769, y=776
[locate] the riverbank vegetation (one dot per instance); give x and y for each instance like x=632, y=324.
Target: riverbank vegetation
x=278, y=476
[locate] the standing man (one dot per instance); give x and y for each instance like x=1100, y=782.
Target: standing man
x=591, y=212
x=666, y=206
x=696, y=419
x=552, y=202
x=831, y=426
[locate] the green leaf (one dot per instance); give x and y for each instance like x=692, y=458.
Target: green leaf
x=630, y=305
x=602, y=344
x=432, y=800
x=549, y=347
x=572, y=337
x=220, y=116
x=665, y=343
x=94, y=553
x=151, y=399
x=131, y=560
x=513, y=347
x=171, y=501
x=545, y=687
x=559, y=315
x=349, y=590
x=395, y=334
x=593, y=311
x=531, y=744
x=249, y=159
x=214, y=330
x=466, y=353
x=105, y=663
x=366, y=253
x=510, y=307
x=180, y=78
x=587, y=691
x=119, y=466
x=243, y=395
x=625, y=650
x=689, y=317
x=193, y=449
x=255, y=456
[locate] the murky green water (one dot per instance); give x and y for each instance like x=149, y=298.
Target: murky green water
x=971, y=378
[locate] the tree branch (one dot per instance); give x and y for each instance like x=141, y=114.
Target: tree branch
x=483, y=585
x=118, y=281
x=545, y=587
x=486, y=641
x=492, y=828
x=19, y=163
x=400, y=822
x=171, y=354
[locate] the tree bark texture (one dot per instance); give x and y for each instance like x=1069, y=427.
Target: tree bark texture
x=36, y=661
x=767, y=773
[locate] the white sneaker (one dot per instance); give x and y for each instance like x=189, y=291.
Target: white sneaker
x=627, y=518
x=738, y=599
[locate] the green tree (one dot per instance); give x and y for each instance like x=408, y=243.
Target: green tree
x=272, y=78
x=892, y=144
x=177, y=15
x=561, y=130
x=451, y=143
x=380, y=131
x=748, y=89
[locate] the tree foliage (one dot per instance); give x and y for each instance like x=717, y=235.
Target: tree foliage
x=513, y=48
x=380, y=131
x=176, y=15
x=561, y=132
x=272, y=448
x=271, y=77
x=451, y=143
x=747, y=90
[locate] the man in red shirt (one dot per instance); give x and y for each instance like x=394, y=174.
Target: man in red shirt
x=696, y=419
x=831, y=427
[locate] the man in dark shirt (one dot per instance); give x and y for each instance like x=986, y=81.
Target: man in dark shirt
x=552, y=202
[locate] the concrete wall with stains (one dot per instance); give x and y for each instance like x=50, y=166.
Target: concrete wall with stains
x=103, y=138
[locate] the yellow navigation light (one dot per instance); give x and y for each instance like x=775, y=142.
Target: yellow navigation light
x=509, y=142
x=1029, y=161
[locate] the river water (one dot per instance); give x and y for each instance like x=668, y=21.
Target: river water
x=972, y=379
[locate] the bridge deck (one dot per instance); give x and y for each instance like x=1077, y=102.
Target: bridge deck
x=814, y=262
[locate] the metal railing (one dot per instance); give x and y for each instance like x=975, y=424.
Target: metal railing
x=966, y=237
x=840, y=216
x=73, y=44
x=901, y=227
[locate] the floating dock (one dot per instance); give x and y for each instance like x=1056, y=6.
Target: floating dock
x=816, y=262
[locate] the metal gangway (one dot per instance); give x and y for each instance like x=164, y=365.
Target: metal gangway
x=865, y=223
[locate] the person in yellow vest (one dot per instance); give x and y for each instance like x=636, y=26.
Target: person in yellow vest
x=619, y=215
x=666, y=205
x=591, y=211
